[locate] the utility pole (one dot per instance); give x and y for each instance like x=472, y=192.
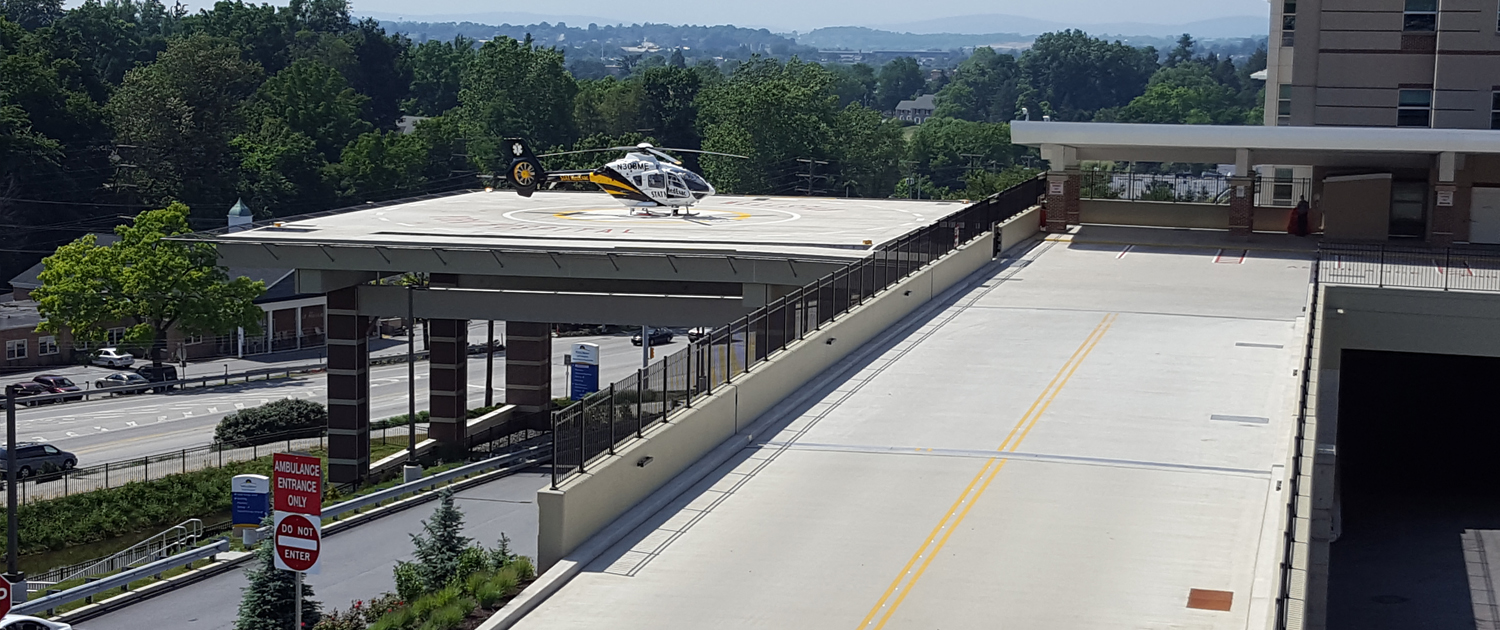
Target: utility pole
x=413, y=469
x=12, y=532
x=489, y=369
x=811, y=164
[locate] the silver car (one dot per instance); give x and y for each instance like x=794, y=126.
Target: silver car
x=123, y=383
x=111, y=357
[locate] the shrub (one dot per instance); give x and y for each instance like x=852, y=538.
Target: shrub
x=505, y=581
x=258, y=425
x=448, y=617
x=427, y=604
x=441, y=544
x=409, y=584
x=487, y=595
x=471, y=561
x=352, y=619
x=403, y=618
x=524, y=569
x=380, y=606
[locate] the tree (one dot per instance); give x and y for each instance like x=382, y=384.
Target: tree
x=608, y=106
x=178, y=115
x=146, y=281
x=773, y=113
x=316, y=102
x=1187, y=94
x=947, y=149
x=984, y=88
x=1183, y=52
x=515, y=89
x=868, y=152
x=440, y=544
x=281, y=170
x=900, y=79
x=1073, y=76
x=669, y=106
x=267, y=603
x=855, y=83
x=31, y=14
x=437, y=75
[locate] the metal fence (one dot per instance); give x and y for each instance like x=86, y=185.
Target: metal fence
x=178, y=538
x=1208, y=187
x=52, y=484
x=1294, y=477
x=1446, y=269
x=601, y=422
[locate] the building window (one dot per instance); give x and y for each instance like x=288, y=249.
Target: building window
x=1495, y=110
x=1284, y=105
x=115, y=336
x=1414, y=109
x=193, y=340
x=46, y=346
x=1421, y=16
x=15, y=350
x=1289, y=22
x=1281, y=190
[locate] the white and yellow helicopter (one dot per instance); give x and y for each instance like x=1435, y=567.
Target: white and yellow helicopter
x=645, y=178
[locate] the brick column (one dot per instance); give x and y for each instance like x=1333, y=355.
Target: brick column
x=1063, y=199
x=1445, y=219
x=448, y=383
x=528, y=372
x=348, y=388
x=1241, y=207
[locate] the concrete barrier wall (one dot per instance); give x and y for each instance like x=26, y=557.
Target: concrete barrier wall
x=588, y=502
x=1020, y=227
x=1174, y=215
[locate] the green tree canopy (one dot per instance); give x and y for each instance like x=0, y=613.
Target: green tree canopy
x=900, y=79
x=515, y=89
x=1072, y=76
x=772, y=112
x=947, y=149
x=983, y=88
x=316, y=102
x=146, y=281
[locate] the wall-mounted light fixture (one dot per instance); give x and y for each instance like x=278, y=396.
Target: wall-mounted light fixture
x=641, y=463
x=831, y=340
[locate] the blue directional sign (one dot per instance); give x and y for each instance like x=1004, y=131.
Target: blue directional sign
x=250, y=499
x=585, y=380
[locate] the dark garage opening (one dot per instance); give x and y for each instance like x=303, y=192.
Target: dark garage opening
x=1419, y=485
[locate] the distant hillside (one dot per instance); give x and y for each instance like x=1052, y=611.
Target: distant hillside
x=861, y=38
x=1230, y=27
x=608, y=40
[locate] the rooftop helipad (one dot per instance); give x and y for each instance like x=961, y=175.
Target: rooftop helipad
x=564, y=221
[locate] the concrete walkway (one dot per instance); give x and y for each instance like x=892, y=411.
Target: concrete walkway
x=1092, y=437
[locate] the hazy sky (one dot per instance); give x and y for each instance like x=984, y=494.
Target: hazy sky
x=807, y=14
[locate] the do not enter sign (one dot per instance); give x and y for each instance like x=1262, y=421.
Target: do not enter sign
x=298, y=541
x=4, y=596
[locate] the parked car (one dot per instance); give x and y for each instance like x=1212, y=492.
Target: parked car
x=659, y=336
x=123, y=383
x=159, y=374
x=33, y=459
x=22, y=622
x=58, y=385
x=31, y=388
x=110, y=357
x=700, y=332
x=478, y=348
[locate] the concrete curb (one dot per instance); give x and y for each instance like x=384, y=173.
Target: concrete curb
x=570, y=566
x=197, y=575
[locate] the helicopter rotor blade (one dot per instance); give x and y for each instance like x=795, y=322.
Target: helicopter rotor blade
x=742, y=157
x=668, y=157
x=578, y=151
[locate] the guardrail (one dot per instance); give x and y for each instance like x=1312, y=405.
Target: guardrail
x=622, y=411
x=1447, y=269
x=49, y=603
x=1294, y=476
x=178, y=537
x=216, y=380
x=534, y=454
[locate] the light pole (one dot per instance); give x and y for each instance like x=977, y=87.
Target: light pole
x=413, y=469
x=12, y=532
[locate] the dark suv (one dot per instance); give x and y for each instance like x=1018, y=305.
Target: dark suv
x=59, y=385
x=159, y=374
x=37, y=459
x=30, y=388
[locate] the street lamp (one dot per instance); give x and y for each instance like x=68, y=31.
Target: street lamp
x=12, y=535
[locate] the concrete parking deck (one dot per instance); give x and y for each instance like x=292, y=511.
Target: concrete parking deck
x=1090, y=437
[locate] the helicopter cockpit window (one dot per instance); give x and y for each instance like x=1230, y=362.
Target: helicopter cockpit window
x=695, y=183
x=639, y=180
x=656, y=180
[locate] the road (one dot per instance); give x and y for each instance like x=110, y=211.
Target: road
x=112, y=429
x=356, y=564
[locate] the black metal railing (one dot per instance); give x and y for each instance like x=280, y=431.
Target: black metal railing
x=1409, y=267
x=1209, y=188
x=1294, y=476
x=602, y=421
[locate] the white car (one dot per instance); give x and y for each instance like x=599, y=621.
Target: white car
x=22, y=622
x=110, y=357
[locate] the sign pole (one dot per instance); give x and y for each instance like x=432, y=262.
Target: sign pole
x=12, y=531
x=297, y=623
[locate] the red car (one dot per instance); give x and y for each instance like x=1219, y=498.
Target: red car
x=58, y=385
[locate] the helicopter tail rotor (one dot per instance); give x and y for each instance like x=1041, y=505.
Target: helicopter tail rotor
x=525, y=172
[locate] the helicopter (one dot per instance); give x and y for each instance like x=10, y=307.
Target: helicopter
x=645, y=178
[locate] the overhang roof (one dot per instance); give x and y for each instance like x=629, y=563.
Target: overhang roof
x=1310, y=146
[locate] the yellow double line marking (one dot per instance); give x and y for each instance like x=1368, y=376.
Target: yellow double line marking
x=902, y=585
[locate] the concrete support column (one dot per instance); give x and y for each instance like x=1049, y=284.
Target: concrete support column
x=1063, y=199
x=348, y=388
x=448, y=383
x=528, y=372
x=1241, y=207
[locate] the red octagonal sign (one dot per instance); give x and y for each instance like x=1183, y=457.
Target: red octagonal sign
x=298, y=539
x=4, y=596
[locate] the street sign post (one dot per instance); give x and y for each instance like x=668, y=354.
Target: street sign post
x=4, y=596
x=297, y=528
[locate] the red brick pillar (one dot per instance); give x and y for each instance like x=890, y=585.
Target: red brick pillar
x=348, y=388
x=448, y=383
x=528, y=372
x=1072, y=196
x=1241, y=207
x=1445, y=216
x=1062, y=200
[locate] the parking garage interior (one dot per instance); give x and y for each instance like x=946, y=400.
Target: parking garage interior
x=1418, y=529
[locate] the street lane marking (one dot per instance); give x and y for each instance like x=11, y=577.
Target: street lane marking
x=934, y=544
